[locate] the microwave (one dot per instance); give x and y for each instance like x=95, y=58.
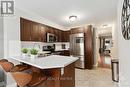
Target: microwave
x=51, y=38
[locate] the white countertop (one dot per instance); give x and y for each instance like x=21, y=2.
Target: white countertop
x=49, y=62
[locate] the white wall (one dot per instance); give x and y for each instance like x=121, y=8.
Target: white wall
x=115, y=40
x=124, y=52
x=104, y=31
x=97, y=48
x=1, y=38
x=11, y=36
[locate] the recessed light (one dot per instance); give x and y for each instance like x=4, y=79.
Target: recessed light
x=72, y=18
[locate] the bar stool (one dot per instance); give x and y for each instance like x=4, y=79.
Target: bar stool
x=20, y=68
x=7, y=66
x=21, y=78
x=20, y=75
x=38, y=77
x=3, y=60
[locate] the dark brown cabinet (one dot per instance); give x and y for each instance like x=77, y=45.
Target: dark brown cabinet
x=30, y=31
x=25, y=30
x=59, y=36
x=65, y=53
x=69, y=73
x=42, y=34
x=33, y=31
x=56, y=32
x=89, y=53
x=77, y=30
x=66, y=36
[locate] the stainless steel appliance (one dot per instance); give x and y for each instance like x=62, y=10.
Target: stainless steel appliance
x=51, y=37
x=49, y=48
x=77, y=49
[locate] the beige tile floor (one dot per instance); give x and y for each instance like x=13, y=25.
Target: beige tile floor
x=94, y=78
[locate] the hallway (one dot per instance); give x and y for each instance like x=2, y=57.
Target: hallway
x=104, y=61
x=94, y=78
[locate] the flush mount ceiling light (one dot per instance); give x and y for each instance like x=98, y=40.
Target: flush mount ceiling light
x=72, y=18
x=106, y=25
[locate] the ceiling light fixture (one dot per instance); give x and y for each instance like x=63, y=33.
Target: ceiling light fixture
x=72, y=18
x=106, y=25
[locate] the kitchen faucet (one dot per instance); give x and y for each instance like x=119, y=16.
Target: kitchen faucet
x=36, y=45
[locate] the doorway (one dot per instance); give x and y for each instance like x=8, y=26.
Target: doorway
x=105, y=47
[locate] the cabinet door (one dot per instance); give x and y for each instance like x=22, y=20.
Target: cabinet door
x=66, y=36
x=35, y=31
x=56, y=34
x=25, y=30
x=50, y=30
x=42, y=33
x=77, y=30
x=60, y=36
x=65, y=53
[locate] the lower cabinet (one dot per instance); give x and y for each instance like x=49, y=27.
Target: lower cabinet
x=62, y=53
x=56, y=79
x=65, y=53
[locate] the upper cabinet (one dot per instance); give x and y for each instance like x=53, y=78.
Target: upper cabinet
x=66, y=36
x=30, y=31
x=42, y=34
x=25, y=26
x=33, y=31
x=77, y=30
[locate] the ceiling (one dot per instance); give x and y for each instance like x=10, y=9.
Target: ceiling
x=58, y=11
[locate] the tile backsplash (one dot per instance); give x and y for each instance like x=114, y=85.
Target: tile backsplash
x=39, y=45
x=58, y=46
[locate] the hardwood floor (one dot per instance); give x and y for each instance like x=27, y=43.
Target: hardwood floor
x=104, y=61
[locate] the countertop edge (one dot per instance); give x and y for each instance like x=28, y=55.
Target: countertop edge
x=52, y=67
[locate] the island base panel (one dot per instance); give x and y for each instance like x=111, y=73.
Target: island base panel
x=55, y=79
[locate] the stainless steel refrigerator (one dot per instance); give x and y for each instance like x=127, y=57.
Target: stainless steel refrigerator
x=77, y=49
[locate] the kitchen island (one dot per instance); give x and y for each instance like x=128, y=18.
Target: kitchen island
x=60, y=69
